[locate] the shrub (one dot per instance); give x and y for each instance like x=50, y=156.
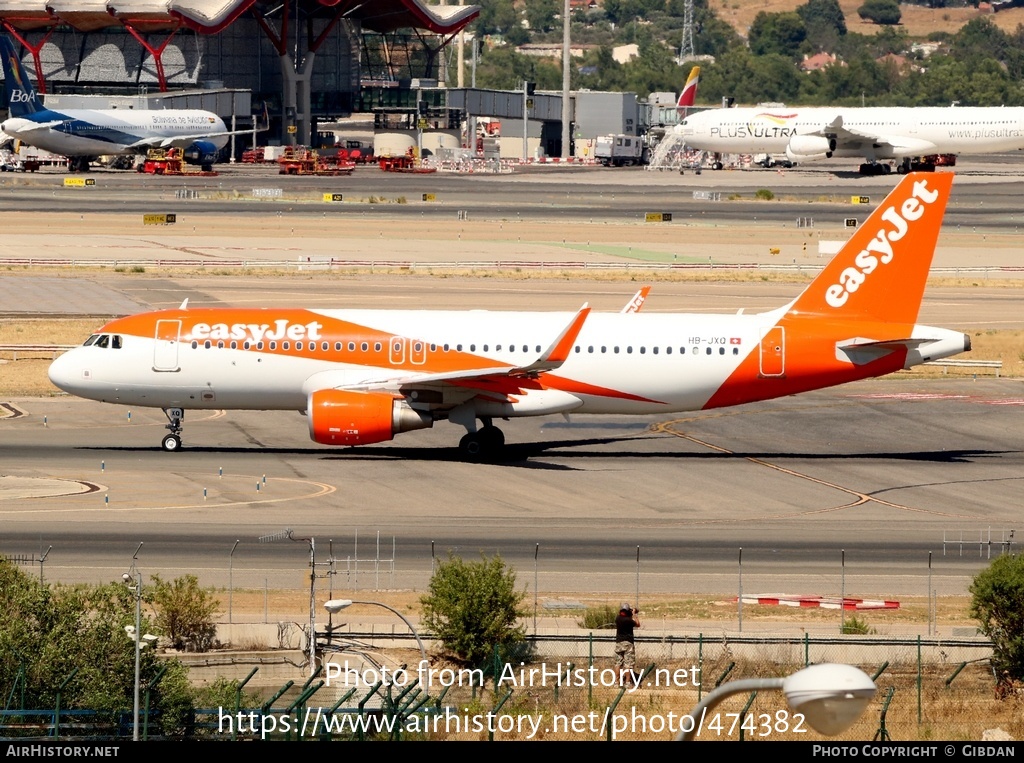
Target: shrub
x=997, y=602
x=473, y=607
x=599, y=618
x=764, y=194
x=857, y=626
x=184, y=611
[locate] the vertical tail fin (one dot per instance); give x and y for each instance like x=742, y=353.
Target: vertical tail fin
x=880, y=273
x=689, y=94
x=22, y=99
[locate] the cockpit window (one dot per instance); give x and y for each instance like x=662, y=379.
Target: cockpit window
x=116, y=342
x=91, y=340
x=103, y=341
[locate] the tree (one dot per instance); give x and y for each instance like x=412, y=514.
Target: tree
x=880, y=11
x=780, y=33
x=473, y=607
x=184, y=611
x=997, y=602
x=48, y=633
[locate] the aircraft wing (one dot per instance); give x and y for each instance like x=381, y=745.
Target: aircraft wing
x=500, y=379
x=855, y=139
x=181, y=141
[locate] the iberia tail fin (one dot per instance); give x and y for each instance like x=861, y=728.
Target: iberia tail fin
x=689, y=94
x=22, y=99
x=880, y=273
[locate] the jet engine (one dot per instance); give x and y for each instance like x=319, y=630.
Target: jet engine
x=202, y=152
x=809, y=147
x=343, y=417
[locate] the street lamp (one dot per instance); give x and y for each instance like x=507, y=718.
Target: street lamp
x=334, y=606
x=830, y=696
x=134, y=583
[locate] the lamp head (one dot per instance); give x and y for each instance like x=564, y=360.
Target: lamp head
x=334, y=606
x=830, y=696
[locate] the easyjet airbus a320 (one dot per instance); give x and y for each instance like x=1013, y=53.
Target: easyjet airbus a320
x=363, y=376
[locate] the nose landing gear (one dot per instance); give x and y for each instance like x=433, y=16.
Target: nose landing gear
x=172, y=442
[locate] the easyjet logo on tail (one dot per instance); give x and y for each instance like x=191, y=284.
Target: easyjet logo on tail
x=879, y=249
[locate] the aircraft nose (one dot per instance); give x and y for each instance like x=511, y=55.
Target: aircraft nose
x=66, y=372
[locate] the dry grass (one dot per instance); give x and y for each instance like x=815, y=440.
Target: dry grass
x=916, y=20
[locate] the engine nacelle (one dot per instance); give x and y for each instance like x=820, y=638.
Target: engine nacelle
x=807, y=147
x=201, y=152
x=342, y=417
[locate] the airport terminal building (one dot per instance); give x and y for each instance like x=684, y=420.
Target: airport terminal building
x=307, y=60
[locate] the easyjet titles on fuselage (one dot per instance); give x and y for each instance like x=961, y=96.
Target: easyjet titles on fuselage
x=257, y=332
x=853, y=278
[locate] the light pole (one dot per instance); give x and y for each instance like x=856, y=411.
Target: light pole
x=334, y=606
x=133, y=580
x=830, y=696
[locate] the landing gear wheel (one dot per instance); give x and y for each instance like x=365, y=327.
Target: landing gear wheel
x=492, y=438
x=472, y=446
x=172, y=442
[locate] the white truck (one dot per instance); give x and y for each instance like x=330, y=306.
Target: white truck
x=620, y=150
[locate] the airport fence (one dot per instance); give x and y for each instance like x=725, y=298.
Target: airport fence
x=570, y=689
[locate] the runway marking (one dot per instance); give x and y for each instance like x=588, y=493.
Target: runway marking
x=323, y=489
x=861, y=498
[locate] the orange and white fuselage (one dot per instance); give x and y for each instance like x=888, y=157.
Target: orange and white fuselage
x=364, y=375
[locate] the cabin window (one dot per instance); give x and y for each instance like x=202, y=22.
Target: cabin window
x=364, y=346
x=207, y=344
x=735, y=350
x=351, y=346
x=286, y=345
x=325, y=346
x=721, y=351
x=376, y=346
x=298, y=345
x=220, y=345
x=273, y=345
x=234, y=345
x=259, y=345
x=195, y=344
x=708, y=351
x=337, y=346
x=643, y=350
x=245, y=346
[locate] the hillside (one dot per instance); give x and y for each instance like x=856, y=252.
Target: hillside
x=917, y=20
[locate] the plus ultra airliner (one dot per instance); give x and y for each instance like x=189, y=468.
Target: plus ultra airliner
x=84, y=134
x=917, y=137
x=363, y=376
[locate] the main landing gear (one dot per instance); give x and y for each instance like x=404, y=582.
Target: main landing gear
x=483, y=444
x=172, y=442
